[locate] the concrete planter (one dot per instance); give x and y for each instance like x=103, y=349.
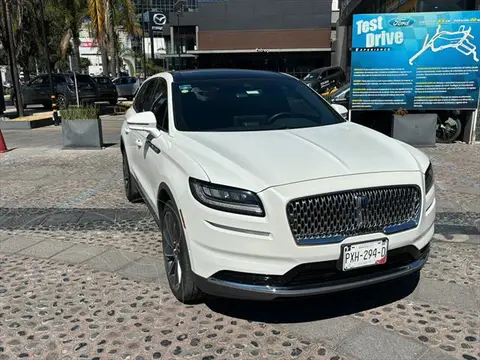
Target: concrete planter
x=82, y=134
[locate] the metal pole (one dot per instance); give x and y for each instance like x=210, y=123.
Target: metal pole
x=179, y=42
x=74, y=79
x=49, y=69
x=150, y=31
x=144, y=56
x=11, y=55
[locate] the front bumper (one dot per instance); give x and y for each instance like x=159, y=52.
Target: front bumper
x=313, y=279
x=222, y=242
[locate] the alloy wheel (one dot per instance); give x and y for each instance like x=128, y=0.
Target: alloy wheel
x=61, y=102
x=171, y=253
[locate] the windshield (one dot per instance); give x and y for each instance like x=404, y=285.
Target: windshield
x=341, y=92
x=249, y=105
x=312, y=76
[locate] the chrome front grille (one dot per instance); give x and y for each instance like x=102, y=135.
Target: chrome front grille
x=330, y=218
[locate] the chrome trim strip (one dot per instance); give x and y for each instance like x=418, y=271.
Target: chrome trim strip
x=246, y=291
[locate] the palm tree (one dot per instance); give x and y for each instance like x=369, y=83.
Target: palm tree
x=97, y=10
x=108, y=19
x=75, y=12
x=123, y=18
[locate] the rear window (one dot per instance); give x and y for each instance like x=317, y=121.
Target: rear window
x=103, y=80
x=86, y=79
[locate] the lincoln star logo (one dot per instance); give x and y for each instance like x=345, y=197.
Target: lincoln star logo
x=401, y=22
x=361, y=206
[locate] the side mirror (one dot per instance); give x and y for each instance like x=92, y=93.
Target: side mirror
x=144, y=121
x=342, y=110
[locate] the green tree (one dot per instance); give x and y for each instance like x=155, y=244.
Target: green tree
x=73, y=14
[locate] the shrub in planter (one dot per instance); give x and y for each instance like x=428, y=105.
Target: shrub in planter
x=81, y=127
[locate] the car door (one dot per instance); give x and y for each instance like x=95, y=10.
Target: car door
x=30, y=91
x=135, y=140
x=154, y=149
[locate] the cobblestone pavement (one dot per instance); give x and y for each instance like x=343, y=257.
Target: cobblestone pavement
x=81, y=277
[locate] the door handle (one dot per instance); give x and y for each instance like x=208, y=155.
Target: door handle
x=139, y=143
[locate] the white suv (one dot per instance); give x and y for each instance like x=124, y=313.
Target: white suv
x=262, y=190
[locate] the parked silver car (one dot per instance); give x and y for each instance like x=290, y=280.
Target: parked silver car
x=125, y=86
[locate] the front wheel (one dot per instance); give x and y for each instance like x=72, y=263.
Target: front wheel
x=176, y=258
x=61, y=102
x=15, y=102
x=449, y=130
x=129, y=184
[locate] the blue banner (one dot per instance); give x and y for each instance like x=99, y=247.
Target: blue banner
x=422, y=61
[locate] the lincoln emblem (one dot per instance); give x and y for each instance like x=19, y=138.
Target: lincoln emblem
x=361, y=205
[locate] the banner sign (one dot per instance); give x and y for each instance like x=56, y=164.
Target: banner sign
x=423, y=61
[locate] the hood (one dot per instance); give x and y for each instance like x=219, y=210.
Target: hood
x=261, y=159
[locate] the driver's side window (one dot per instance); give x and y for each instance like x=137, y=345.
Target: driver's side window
x=37, y=81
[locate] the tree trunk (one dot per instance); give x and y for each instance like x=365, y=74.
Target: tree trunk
x=112, y=50
x=6, y=6
x=76, y=55
x=104, y=53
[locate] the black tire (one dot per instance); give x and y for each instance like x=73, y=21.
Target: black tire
x=175, y=257
x=129, y=183
x=14, y=101
x=62, y=102
x=449, y=131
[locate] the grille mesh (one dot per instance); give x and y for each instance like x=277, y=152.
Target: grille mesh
x=332, y=217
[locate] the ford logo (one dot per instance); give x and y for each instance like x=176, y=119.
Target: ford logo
x=401, y=22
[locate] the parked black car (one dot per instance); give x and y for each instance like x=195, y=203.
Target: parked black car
x=107, y=89
x=326, y=78
x=342, y=96
x=37, y=91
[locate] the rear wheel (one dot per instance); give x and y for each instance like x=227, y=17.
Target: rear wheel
x=61, y=102
x=176, y=258
x=449, y=130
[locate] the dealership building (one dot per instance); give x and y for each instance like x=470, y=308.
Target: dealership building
x=293, y=36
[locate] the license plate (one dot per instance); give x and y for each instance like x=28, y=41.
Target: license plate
x=364, y=254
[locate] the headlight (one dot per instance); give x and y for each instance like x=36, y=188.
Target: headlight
x=429, y=179
x=226, y=198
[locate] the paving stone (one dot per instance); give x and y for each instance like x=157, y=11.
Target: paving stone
x=63, y=217
x=95, y=215
x=374, y=344
x=17, y=243
x=146, y=268
x=455, y=296
x=331, y=332
x=22, y=220
x=79, y=253
x=46, y=249
x=436, y=354
x=113, y=260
